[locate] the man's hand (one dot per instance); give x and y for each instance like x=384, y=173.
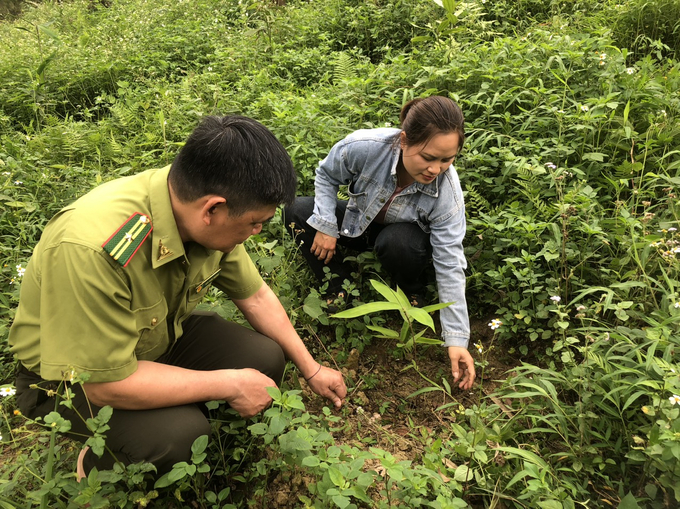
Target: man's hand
x=323, y=247
x=462, y=366
x=330, y=384
x=249, y=395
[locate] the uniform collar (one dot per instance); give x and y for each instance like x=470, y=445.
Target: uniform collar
x=166, y=243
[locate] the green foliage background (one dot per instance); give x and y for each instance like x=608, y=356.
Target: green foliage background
x=571, y=175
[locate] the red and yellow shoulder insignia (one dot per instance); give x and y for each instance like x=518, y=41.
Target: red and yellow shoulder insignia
x=125, y=242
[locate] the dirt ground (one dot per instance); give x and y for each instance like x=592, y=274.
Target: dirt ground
x=379, y=410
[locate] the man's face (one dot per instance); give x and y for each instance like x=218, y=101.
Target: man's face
x=225, y=230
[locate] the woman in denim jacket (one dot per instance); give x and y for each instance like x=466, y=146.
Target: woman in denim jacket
x=406, y=203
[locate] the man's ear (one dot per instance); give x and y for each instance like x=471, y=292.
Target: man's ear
x=209, y=206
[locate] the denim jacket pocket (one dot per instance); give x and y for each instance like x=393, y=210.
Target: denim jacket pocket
x=357, y=200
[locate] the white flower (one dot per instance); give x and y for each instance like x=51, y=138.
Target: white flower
x=672, y=229
x=580, y=308
x=7, y=391
x=495, y=323
x=550, y=166
x=603, y=56
x=388, y=124
x=676, y=305
x=560, y=111
x=630, y=70
x=479, y=346
x=20, y=271
x=674, y=399
x=584, y=108
x=209, y=69
x=18, y=182
x=555, y=298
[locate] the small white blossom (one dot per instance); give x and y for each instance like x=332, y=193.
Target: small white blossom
x=7, y=391
x=630, y=70
x=560, y=111
x=388, y=124
x=674, y=399
x=672, y=229
x=479, y=347
x=18, y=182
x=580, y=308
x=495, y=323
x=584, y=108
x=555, y=298
x=20, y=271
x=676, y=305
x=550, y=166
x=209, y=69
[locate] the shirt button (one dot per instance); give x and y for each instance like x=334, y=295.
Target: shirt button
x=154, y=321
x=345, y=230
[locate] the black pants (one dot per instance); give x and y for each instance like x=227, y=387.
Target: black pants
x=161, y=436
x=403, y=249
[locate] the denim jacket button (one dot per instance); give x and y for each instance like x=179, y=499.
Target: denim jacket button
x=345, y=230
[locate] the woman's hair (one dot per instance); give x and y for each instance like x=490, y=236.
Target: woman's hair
x=422, y=119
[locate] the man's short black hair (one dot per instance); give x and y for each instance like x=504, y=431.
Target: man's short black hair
x=237, y=158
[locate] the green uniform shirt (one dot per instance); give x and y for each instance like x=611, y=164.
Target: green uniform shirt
x=81, y=309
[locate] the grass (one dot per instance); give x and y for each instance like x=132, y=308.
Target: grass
x=571, y=177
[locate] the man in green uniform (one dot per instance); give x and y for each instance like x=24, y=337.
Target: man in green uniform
x=112, y=285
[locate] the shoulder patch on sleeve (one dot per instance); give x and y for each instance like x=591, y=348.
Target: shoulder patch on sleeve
x=125, y=242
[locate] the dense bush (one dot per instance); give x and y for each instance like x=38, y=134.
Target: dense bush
x=571, y=177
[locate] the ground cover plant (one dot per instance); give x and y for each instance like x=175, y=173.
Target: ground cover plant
x=571, y=173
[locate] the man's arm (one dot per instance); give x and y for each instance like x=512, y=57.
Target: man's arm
x=156, y=385
x=266, y=314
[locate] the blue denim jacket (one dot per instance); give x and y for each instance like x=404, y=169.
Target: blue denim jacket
x=366, y=160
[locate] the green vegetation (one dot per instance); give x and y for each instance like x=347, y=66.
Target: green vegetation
x=571, y=169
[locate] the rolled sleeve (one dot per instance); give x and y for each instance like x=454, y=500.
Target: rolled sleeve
x=239, y=277
x=85, y=322
x=332, y=172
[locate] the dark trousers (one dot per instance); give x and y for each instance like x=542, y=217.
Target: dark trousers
x=403, y=249
x=161, y=436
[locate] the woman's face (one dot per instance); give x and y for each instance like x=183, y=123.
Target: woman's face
x=425, y=161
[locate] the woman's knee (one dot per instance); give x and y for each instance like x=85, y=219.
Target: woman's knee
x=403, y=244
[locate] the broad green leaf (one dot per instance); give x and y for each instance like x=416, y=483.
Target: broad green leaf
x=386, y=333
x=384, y=290
x=462, y=473
x=421, y=316
x=199, y=444
x=364, y=309
x=629, y=502
x=336, y=476
x=436, y=307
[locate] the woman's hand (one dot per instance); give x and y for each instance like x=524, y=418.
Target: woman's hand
x=462, y=366
x=323, y=247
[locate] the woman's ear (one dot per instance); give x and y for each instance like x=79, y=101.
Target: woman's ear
x=402, y=140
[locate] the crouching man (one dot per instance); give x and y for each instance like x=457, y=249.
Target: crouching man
x=112, y=287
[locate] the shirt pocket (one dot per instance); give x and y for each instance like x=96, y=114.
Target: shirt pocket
x=357, y=198
x=153, y=331
x=198, y=290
